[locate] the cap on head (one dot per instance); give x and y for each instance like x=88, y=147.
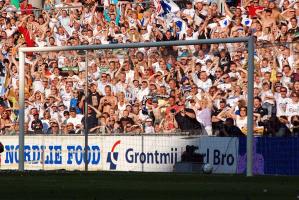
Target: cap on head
x=61, y=104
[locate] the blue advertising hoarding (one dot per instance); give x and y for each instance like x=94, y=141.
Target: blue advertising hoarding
x=271, y=155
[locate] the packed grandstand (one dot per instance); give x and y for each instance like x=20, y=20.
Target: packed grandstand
x=200, y=89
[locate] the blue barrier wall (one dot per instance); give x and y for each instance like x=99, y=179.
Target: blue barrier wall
x=272, y=155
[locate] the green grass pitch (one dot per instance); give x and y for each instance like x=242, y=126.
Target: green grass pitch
x=131, y=185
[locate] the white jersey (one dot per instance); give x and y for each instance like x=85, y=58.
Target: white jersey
x=241, y=123
x=205, y=85
x=281, y=105
x=269, y=94
x=75, y=120
x=292, y=109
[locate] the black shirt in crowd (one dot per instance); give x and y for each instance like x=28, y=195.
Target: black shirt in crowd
x=126, y=120
x=92, y=121
x=231, y=131
x=187, y=123
x=94, y=99
x=262, y=111
x=37, y=126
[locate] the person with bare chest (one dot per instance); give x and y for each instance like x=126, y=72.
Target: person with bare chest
x=266, y=18
x=109, y=101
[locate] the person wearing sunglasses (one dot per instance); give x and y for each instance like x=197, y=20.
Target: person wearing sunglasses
x=54, y=128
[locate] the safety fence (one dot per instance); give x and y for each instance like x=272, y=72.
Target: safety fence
x=152, y=153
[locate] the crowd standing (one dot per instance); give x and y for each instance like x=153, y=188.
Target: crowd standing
x=200, y=89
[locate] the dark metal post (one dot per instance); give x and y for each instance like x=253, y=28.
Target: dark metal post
x=250, y=105
x=21, y=109
x=86, y=114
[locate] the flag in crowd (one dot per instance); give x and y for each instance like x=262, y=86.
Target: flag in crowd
x=181, y=24
x=225, y=22
x=158, y=7
x=16, y=3
x=246, y=22
x=166, y=6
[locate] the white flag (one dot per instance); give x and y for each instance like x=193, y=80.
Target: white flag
x=246, y=22
x=225, y=22
x=169, y=6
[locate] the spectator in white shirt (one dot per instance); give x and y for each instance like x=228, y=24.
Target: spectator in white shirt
x=267, y=98
x=144, y=91
x=282, y=101
x=75, y=119
x=293, y=106
x=203, y=81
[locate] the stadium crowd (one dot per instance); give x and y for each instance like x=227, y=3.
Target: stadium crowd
x=197, y=88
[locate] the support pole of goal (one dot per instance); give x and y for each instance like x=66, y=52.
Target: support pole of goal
x=21, y=109
x=86, y=113
x=250, y=97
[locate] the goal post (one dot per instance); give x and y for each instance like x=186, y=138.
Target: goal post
x=250, y=77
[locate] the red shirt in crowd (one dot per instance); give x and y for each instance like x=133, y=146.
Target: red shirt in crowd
x=26, y=9
x=252, y=9
x=26, y=34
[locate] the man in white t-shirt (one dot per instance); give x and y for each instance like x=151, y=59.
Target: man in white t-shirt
x=189, y=12
x=233, y=71
x=149, y=129
x=203, y=81
x=225, y=83
x=285, y=56
x=102, y=83
x=281, y=102
x=287, y=75
x=267, y=98
x=121, y=86
x=129, y=72
x=202, y=57
x=66, y=95
x=64, y=20
x=75, y=119
x=144, y=90
x=293, y=106
x=265, y=66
